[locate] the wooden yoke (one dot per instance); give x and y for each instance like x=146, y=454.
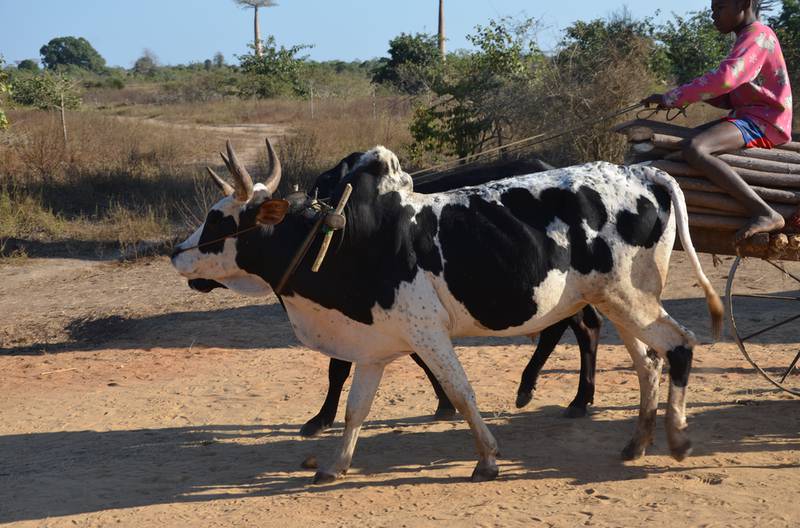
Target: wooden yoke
x=326, y=242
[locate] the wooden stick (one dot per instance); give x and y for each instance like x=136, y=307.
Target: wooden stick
x=57, y=371
x=326, y=242
x=721, y=242
x=669, y=142
x=771, y=195
x=682, y=132
x=718, y=222
x=723, y=202
x=709, y=211
x=742, y=162
x=766, y=179
x=779, y=242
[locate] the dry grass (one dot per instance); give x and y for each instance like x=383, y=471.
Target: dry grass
x=116, y=181
x=123, y=178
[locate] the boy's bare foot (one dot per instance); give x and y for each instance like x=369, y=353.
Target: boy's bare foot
x=760, y=224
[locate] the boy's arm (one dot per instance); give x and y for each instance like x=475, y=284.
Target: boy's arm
x=740, y=67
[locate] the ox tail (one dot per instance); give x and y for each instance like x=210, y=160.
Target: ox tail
x=715, y=307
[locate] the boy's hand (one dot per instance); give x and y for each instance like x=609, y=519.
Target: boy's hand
x=655, y=99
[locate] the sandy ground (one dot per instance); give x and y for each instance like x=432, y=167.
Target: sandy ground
x=129, y=400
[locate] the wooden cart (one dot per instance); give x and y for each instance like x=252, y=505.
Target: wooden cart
x=762, y=294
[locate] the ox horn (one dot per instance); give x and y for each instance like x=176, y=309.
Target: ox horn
x=242, y=179
x=275, y=171
x=224, y=186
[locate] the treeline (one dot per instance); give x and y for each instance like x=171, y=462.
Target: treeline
x=505, y=88
x=508, y=88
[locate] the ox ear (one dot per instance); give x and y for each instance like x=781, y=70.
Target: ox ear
x=272, y=212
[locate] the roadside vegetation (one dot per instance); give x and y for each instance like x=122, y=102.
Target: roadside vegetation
x=114, y=156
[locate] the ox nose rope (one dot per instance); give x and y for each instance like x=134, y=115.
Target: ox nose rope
x=235, y=234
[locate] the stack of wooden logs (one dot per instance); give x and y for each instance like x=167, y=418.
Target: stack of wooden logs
x=714, y=216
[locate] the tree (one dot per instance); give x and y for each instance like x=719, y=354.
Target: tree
x=66, y=51
x=147, y=64
x=787, y=26
x=412, y=63
x=219, y=60
x=277, y=71
x=255, y=4
x=477, y=97
x=693, y=45
x=48, y=91
x=28, y=65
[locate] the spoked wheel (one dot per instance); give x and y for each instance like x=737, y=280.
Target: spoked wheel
x=763, y=299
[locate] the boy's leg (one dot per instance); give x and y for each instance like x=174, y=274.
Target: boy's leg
x=723, y=137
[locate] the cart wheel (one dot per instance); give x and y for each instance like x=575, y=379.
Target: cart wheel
x=763, y=299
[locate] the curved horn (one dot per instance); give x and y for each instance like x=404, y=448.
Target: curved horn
x=224, y=186
x=275, y=171
x=244, y=183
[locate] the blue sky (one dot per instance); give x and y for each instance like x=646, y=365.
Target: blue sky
x=182, y=31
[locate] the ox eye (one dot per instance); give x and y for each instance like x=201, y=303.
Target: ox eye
x=216, y=228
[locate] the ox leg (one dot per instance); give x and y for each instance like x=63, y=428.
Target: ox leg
x=338, y=372
x=437, y=352
x=586, y=326
x=648, y=369
x=672, y=342
x=365, y=383
x=445, y=409
x=548, y=340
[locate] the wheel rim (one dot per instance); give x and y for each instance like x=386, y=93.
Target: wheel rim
x=792, y=364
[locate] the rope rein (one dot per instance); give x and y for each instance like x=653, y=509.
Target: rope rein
x=217, y=240
x=531, y=141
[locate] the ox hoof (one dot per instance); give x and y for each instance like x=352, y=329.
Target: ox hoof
x=444, y=414
x=312, y=428
x=323, y=477
x=485, y=472
x=523, y=399
x=633, y=450
x=682, y=451
x=575, y=412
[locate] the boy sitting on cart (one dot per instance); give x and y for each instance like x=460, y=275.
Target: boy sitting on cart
x=753, y=83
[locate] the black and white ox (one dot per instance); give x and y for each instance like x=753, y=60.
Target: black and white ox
x=510, y=257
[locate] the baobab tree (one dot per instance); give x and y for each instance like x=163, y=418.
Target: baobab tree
x=255, y=4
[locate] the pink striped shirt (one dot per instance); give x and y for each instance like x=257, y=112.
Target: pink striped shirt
x=752, y=81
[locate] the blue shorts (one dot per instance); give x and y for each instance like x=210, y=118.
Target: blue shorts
x=752, y=134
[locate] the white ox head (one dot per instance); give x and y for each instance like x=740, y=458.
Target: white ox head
x=209, y=255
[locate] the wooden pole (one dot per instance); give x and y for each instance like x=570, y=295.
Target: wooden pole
x=668, y=142
x=770, y=195
x=717, y=222
x=765, y=179
x=723, y=202
x=682, y=132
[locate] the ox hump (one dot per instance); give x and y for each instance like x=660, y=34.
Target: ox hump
x=383, y=164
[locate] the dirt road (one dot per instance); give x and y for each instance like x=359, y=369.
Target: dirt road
x=129, y=400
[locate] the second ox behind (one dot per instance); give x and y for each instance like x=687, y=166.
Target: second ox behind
x=507, y=258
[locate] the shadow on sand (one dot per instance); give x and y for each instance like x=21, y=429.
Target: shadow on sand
x=62, y=473
x=181, y=329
